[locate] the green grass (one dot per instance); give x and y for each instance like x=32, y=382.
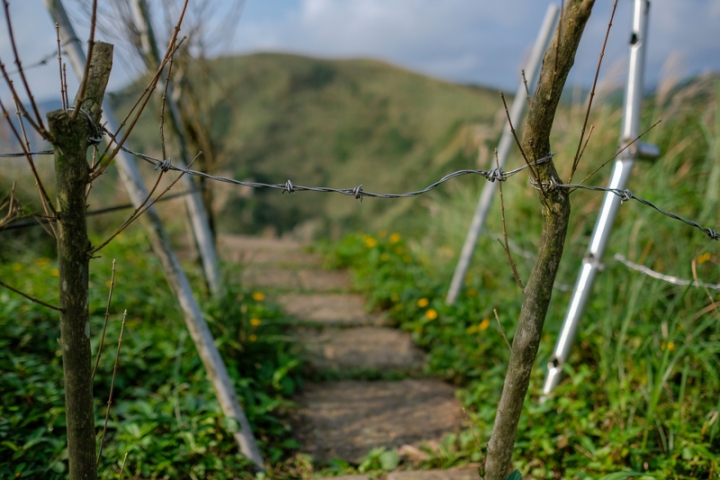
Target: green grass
x=164, y=415
x=642, y=390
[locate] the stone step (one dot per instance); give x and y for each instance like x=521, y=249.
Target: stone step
x=347, y=419
x=303, y=280
x=265, y=251
x=351, y=351
x=337, y=309
x=453, y=474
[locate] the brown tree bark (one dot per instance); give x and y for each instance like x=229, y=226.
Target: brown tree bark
x=555, y=207
x=71, y=140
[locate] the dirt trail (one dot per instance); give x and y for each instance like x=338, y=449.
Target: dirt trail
x=368, y=390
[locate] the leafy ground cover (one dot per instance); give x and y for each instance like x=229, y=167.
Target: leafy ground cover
x=164, y=414
x=641, y=391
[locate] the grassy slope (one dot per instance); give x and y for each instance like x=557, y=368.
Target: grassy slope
x=336, y=123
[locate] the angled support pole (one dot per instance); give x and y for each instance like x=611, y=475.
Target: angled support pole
x=611, y=203
x=196, y=209
x=207, y=350
x=506, y=141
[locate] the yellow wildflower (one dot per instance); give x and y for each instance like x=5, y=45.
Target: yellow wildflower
x=431, y=314
x=55, y=272
x=255, y=322
x=472, y=329
x=399, y=250
x=670, y=346
x=395, y=298
x=17, y=267
x=252, y=338
x=384, y=257
x=258, y=296
x=370, y=242
x=484, y=324
x=42, y=261
x=395, y=237
x=703, y=258
x=423, y=302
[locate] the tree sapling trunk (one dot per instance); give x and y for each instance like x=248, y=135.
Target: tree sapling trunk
x=555, y=206
x=71, y=137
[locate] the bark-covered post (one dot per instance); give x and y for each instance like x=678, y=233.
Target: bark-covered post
x=555, y=207
x=71, y=137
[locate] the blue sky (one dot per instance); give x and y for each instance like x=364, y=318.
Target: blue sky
x=471, y=41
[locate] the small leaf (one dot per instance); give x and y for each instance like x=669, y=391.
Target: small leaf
x=516, y=475
x=620, y=475
x=389, y=460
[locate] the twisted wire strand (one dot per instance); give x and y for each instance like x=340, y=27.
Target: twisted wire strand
x=491, y=175
x=357, y=192
x=626, y=195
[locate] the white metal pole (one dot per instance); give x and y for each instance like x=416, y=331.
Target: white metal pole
x=618, y=180
x=193, y=201
x=516, y=112
x=199, y=331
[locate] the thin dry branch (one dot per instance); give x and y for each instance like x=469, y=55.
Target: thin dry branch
x=618, y=152
x=173, y=46
x=525, y=82
x=519, y=144
x=29, y=297
x=142, y=208
x=502, y=330
x=505, y=245
x=105, y=323
x=580, y=147
x=26, y=152
x=86, y=74
x=112, y=387
x=60, y=66
x=43, y=198
x=40, y=127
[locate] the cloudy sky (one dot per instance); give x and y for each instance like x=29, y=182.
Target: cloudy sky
x=471, y=41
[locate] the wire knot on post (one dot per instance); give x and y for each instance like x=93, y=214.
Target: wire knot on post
x=358, y=192
x=549, y=186
x=163, y=165
x=97, y=136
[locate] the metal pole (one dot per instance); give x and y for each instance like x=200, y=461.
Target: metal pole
x=199, y=331
x=516, y=112
x=611, y=203
x=194, y=203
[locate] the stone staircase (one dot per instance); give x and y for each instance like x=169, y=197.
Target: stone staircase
x=368, y=389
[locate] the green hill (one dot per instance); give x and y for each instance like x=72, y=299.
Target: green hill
x=337, y=123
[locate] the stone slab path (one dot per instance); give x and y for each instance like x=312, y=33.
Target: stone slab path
x=346, y=415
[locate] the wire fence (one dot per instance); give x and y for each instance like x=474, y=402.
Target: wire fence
x=357, y=192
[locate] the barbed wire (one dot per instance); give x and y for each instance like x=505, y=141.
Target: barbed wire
x=661, y=276
x=493, y=175
x=626, y=195
x=357, y=192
